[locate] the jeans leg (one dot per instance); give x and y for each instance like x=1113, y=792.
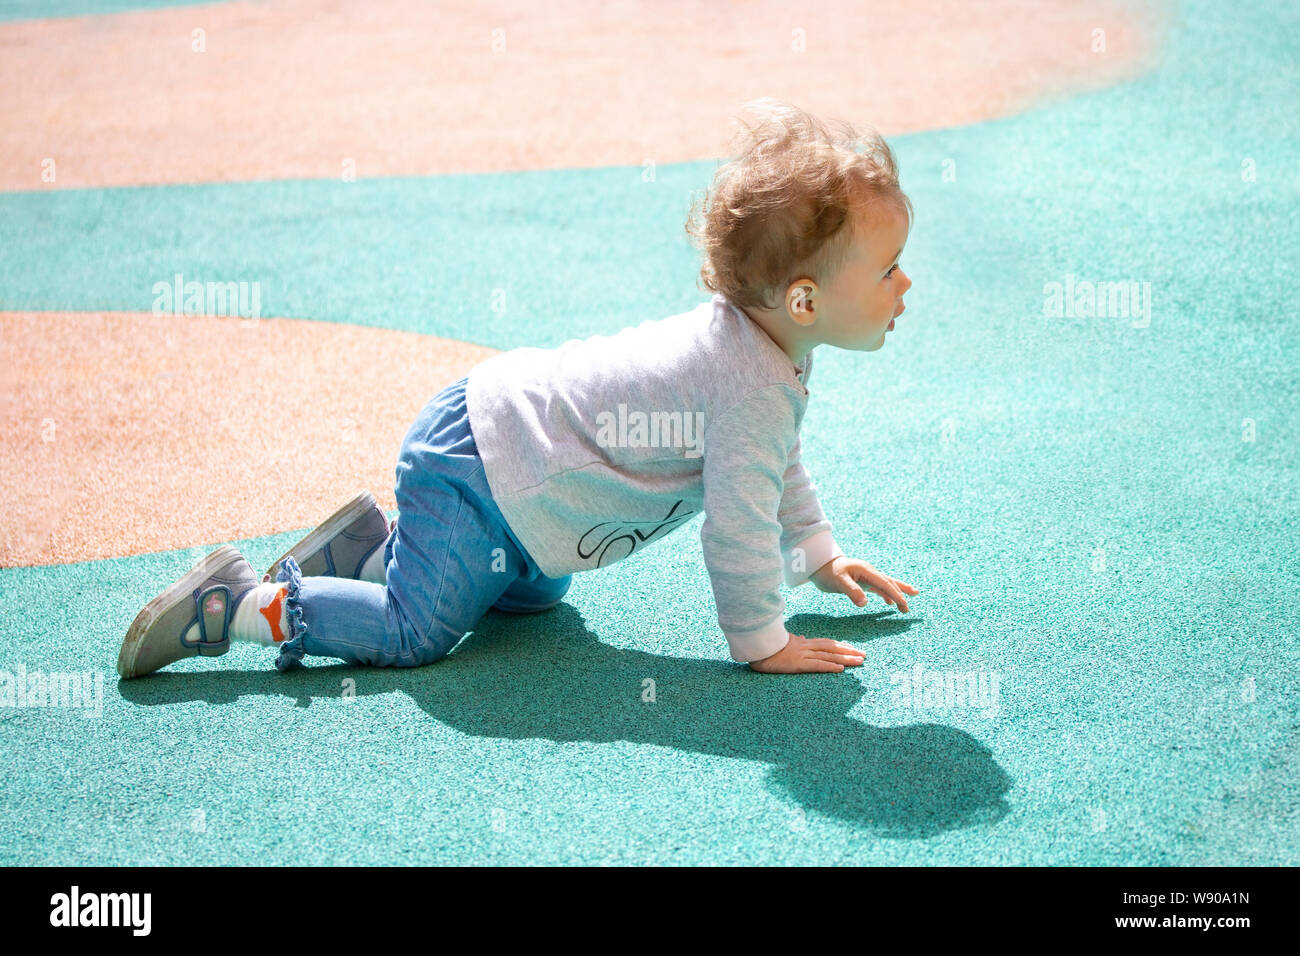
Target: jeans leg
x=529, y=597
x=450, y=556
x=440, y=583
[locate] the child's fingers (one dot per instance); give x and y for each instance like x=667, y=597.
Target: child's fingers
x=892, y=596
x=850, y=587
x=831, y=650
x=845, y=660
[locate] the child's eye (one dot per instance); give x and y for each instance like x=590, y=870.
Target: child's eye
x=892, y=270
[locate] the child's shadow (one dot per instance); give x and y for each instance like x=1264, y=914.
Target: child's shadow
x=546, y=675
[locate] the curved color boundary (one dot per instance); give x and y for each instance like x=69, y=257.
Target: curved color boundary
x=292, y=89
x=130, y=432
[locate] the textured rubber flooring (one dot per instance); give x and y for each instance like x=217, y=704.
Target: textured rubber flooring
x=305, y=89
x=1101, y=513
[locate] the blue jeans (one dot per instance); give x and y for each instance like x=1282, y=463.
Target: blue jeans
x=449, y=557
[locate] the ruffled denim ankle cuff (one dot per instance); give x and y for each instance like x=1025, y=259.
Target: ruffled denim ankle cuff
x=291, y=651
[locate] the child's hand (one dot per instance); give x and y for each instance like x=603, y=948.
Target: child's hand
x=802, y=656
x=841, y=576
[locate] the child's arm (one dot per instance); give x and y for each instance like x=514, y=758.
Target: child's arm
x=806, y=540
x=810, y=552
x=746, y=455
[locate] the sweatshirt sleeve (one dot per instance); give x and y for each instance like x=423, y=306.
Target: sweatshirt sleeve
x=806, y=541
x=746, y=456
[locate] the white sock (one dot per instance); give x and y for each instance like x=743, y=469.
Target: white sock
x=374, y=570
x=256, y=619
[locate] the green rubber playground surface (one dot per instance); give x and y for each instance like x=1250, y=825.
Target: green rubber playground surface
x=1100, y=505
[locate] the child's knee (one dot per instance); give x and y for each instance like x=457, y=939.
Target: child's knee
x=534, y=597
x=431, y=647
x=511, y=607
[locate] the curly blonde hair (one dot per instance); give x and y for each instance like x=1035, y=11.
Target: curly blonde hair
x=786, y=206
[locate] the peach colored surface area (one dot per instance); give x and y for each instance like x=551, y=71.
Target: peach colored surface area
x=129, y=432
x=289, y=89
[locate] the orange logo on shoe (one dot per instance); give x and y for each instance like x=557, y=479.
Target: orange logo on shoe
x=272, y=613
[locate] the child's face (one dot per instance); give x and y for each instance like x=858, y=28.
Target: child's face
x=858, y=305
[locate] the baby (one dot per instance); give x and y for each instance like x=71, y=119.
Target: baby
x=543, y=463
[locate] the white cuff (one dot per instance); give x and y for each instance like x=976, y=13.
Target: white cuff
x=810, y=554
x=749, y=646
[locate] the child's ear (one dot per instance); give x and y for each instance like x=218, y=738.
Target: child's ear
x=801, y=301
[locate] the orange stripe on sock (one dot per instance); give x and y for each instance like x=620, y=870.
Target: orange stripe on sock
x=273, y=612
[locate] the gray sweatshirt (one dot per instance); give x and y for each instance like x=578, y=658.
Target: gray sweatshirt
x=606, y=445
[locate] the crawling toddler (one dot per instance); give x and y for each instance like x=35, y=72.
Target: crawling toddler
x=543, y=463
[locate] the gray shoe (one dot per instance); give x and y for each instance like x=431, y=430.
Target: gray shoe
x=206, y=596
x=339, y=547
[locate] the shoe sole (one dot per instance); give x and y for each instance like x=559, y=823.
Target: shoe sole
x=184, y=588
x=362, y=502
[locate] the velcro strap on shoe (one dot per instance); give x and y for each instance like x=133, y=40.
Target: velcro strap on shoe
x=214, y=617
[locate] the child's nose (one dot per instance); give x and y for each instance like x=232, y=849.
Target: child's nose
x=907, y=283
